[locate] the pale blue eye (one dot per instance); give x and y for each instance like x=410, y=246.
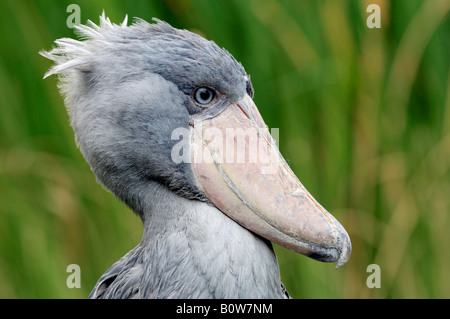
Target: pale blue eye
x=204, y=95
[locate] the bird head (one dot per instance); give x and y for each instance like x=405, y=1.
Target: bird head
x=149, y=102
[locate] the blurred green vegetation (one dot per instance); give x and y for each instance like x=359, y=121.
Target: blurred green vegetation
x=364, y=118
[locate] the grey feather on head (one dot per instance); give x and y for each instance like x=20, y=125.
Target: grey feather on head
x=127, y=88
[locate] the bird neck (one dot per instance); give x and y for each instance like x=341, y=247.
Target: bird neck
x=191, y=249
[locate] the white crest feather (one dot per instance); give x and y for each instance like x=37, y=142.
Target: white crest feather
x=70, y=53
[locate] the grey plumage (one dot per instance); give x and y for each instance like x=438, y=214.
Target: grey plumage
x=192, y=250
x=126, y=89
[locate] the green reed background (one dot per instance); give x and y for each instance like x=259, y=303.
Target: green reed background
x=364, y=118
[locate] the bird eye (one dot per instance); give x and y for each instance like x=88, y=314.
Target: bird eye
x=204, y=95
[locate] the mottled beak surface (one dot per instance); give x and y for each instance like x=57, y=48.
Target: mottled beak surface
x=242, y=172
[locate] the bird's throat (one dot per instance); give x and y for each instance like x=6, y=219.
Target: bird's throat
x=192, y=250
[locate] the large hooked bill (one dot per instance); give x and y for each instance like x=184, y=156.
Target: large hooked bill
x=240, y=169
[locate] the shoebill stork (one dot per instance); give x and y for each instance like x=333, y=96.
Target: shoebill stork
x=161, y=116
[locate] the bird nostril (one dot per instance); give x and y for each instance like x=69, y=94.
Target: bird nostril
x=243, y=111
